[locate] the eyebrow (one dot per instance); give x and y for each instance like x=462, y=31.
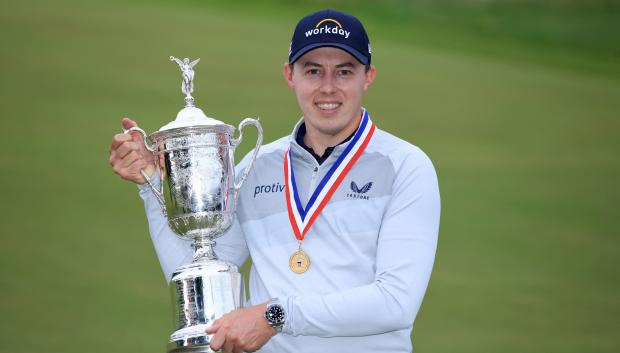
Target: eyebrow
x=313, y=64
x=347, y=64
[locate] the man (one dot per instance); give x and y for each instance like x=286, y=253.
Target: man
x=340, y=218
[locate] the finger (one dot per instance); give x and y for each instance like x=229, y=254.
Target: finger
x=217, y=340
x=128, y=123
x=119, y=139
x=229, y=346
x=126, y=148
x=112, y=159
x=135, y=135
x=130, y=160
x=130, y=171
x=118, y=163
x=213, y=328
x=135, y=171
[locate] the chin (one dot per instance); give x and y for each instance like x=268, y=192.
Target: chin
x=331, y=129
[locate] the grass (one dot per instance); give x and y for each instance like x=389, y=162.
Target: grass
x=522, y=125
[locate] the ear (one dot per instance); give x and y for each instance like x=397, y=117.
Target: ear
x=287, y=72
x=370, y=77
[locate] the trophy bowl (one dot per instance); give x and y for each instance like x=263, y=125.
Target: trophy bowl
x=198, y=166
x=197, y=163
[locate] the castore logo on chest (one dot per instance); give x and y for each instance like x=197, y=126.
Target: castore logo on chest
x=358, y=193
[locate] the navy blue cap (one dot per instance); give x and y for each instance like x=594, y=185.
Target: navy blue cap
x=330, y=28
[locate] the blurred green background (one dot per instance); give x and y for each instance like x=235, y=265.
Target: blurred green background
x=517, y=103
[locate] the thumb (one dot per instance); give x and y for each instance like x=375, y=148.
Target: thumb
x=128, y=123
x=213, y=329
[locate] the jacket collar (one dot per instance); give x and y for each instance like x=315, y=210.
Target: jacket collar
x=299, y=152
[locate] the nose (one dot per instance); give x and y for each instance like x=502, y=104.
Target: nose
x=328, y=85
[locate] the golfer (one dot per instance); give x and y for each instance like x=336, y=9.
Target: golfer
x=339, y=218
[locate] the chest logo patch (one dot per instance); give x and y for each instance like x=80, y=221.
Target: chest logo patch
x=267, y=189
x=358, y=193
x=363, y=190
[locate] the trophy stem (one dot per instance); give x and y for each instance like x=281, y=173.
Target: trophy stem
x=189, y=101
x=203, y=249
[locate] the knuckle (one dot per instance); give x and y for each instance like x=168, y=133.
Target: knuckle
x=118, y=138
x=125, y=151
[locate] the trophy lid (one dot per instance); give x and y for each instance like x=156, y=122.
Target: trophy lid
x=191, y=116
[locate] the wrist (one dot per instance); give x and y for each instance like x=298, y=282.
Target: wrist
x=147, y=171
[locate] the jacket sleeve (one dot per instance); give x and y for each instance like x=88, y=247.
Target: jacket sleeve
x=173, y=251
x=405, y=254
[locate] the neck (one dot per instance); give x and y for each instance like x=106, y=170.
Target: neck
x=320, y=141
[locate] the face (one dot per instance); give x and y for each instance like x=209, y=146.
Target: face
x=329, y=83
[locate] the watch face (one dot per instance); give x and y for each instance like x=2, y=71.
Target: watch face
x=275, y=314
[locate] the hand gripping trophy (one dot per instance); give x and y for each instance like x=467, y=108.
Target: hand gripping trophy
x=198, y=195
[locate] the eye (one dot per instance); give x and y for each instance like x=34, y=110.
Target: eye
x=312, y=72
x=345, y=72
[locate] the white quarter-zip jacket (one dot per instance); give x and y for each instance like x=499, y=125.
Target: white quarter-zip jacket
x=372, y=248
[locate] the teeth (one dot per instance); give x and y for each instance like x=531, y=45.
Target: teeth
x=328, y=106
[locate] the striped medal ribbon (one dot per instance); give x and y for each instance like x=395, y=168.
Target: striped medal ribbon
x=302, y=218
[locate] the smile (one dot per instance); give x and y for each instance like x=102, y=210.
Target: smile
x=328, y=106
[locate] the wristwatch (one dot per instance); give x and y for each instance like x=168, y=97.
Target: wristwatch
x=275, y=315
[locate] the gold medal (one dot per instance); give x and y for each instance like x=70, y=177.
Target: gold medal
x=299, y=261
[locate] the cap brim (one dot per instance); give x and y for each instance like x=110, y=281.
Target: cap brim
x=359, y=56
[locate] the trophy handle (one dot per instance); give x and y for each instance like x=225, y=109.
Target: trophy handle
x=237, y=141
x=159, y=194
x=148, y=146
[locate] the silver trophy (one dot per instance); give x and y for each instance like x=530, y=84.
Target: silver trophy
x=194, y=156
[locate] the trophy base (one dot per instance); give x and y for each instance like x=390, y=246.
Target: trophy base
x=186, y=342
x=202, y=292
x=193, y=349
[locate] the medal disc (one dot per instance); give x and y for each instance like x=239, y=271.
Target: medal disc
x=299, y=262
